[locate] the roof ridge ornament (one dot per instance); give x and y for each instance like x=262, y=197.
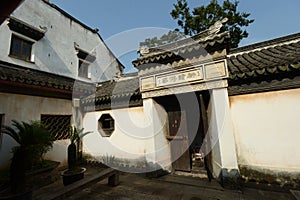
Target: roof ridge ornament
x=216, y=27
x=208, y=34
x=143, y=50
x=211, y=32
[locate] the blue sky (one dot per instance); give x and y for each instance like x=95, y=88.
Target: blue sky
x=117, y=19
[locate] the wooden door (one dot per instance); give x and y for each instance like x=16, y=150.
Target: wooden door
x=207, y=145
x=179, y=141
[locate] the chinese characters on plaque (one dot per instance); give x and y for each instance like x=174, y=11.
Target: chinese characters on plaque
x=179, y=77
x=197, y=74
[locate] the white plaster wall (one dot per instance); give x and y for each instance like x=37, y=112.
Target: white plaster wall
x=220, y=132
x=159, y=151
x=134, y=140
x=212, y=138
x=55, y=52
x=267, y=129
x=27, y=108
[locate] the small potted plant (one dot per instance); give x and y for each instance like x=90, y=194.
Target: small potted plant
x=33, y=141
x=74, y=173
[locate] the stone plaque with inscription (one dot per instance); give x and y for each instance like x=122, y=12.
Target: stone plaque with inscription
x=196, y=78
x=147, y=83
x=179, y=77
x=215, y=70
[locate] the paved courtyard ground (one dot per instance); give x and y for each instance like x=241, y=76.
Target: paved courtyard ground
x=169, y=187
x=173, y=188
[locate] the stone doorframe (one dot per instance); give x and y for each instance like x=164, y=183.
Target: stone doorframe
x=211, y=76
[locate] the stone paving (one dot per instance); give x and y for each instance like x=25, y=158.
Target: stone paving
x=137, y=187
x=171, y=187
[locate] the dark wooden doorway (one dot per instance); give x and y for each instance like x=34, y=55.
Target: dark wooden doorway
x=187, y=123
x=179, y=140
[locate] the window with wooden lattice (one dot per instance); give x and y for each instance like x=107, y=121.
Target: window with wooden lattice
x=20, y=48
x=58, y=125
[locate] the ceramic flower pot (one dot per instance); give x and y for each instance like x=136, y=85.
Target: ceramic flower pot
x=73, y=175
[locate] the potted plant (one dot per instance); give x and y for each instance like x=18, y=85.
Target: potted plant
x=33, y=141
x=74, y=173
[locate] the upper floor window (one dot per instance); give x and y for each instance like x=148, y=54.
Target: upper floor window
x=83, y=69
x=84, y=61
x=20, y=48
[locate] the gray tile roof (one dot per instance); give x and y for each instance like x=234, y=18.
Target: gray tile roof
x=14, y=76
x=266, y=66
x=209, y=40
x=271, y=57
x=116, y=93
x=183, y=48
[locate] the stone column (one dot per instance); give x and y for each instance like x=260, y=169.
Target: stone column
x=224, y=157
x=157, y=148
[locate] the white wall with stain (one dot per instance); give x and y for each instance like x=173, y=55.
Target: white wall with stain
x=220, y=133
x=27, y=108
x=55, y=52
x=138, y=138
x=267, y=129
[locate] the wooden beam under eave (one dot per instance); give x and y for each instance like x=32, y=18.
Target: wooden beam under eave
x=34, y=90
x=7, y=7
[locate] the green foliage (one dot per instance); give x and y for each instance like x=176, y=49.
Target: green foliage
x=201, y=18
x=34, y=140
x=75, y=137
x=171, y=36
x=32, y=137
x=76, y=134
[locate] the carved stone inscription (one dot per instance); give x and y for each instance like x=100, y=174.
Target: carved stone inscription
x=215, y=70
x=147, y=83
x=179, y=77
x=198, y=75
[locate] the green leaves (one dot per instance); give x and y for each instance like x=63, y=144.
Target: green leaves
x=202, y=17
x=27, y=134
x=76, y=134
x=75, y=137
x=32, y=137
x=169, y=37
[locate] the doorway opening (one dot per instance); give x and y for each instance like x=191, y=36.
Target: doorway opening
x=187, y=120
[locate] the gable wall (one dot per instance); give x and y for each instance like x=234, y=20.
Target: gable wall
x=55, y=52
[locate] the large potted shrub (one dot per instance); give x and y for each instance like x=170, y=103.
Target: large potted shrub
x=74, y=172
x=33, y=140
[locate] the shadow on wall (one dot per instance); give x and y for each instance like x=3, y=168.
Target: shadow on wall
x=7, y=144
x=139, y=165
x=52, y=62
x=58, y=152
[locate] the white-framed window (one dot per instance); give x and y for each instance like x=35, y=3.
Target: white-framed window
x=23, y=38
x=85, y=59
x=83, y=69
x=21, y=48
